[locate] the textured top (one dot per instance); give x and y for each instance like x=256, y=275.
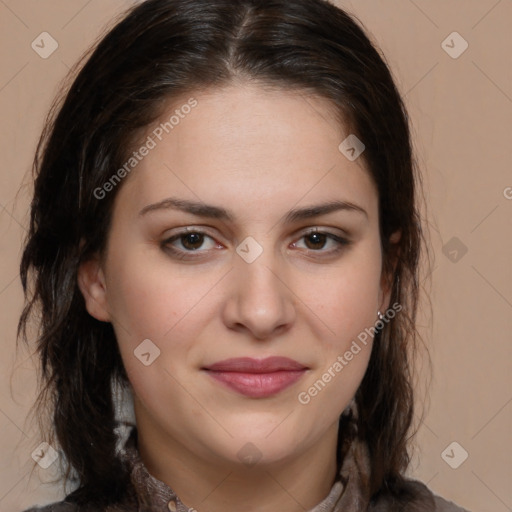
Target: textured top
x=349, y=492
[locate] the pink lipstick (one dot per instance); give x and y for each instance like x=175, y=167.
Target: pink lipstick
x=257, y=378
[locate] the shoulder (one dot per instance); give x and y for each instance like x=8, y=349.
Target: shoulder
x=415, y=496
x=71, y=504
x=443, y=505
x=61, y=506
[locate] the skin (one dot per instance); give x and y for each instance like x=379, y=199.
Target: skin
x=258, y=153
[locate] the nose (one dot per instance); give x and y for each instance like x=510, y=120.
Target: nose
x=260, y=302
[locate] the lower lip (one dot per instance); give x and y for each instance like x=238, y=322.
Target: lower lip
x=258, y=385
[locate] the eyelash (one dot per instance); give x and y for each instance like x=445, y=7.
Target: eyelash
x=341, y=242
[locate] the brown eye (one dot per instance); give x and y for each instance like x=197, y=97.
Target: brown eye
x=317, y=240
x=187, y=242
x=192, y=241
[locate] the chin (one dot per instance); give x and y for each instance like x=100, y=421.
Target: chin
x=263, y=443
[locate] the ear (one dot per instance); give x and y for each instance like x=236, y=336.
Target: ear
x=388, y=272
x=91, y=281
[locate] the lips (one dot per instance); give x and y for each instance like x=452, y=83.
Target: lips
x=249, y=365
x=257, y=378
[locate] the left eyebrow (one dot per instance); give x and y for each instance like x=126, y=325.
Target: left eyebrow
x=322, y=209
x=216, y=212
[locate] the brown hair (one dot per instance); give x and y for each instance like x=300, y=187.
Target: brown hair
x=159, y=50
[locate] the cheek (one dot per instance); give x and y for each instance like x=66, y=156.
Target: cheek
x=346, y=300
x=148, y=302
x=148, y=296
x=347, y=305
x=151, y=299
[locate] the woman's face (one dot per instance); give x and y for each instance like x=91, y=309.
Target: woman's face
x=244, y=172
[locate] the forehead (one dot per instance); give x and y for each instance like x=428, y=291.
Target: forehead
x=244, y=144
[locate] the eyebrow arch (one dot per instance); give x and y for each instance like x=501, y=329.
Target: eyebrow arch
x=216, y=212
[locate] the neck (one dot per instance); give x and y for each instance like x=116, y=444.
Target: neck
x=296, y=484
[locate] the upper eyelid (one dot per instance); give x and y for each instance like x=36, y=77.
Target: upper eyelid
x=302, y=231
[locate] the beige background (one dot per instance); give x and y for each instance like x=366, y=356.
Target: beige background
x=461, y=110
